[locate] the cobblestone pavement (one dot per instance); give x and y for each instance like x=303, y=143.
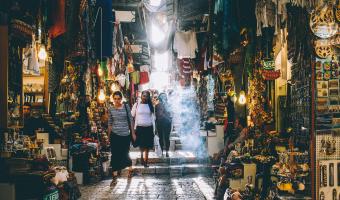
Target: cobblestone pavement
x=164, y=187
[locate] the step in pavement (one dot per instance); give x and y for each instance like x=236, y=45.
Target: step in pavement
x=172, y=170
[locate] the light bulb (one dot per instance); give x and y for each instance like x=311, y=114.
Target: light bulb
x=114, y=87
x=242, y=99
x=100, y=71
x=42, y=55
x=234, y=98
x=101, y=96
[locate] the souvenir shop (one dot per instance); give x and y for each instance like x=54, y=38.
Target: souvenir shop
x=272, y=65
x=278, y=69
x=65, y=58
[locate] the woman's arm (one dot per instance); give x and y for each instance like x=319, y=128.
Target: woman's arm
x=109, y=123
x=132, y=123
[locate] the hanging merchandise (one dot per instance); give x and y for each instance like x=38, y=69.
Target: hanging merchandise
x=322, y=22
x=135, y=77
x=211, y=89
x=185, y=44
x=30, y=59
x=185, y=67
x=323, y=50
x=103, y=67
x=121, y=79
x=144, y=68
x=265, y=12
x=155, y=6
x=256, y=99
x=144, y=77
x=58, y=27
x=130, y=67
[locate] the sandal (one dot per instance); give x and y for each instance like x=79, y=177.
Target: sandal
x=119, y=173
x=130, y=174
x=113, y=182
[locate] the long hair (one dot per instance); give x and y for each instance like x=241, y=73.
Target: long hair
x=148, y=100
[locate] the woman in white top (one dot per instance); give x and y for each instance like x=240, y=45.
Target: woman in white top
x=143, y=114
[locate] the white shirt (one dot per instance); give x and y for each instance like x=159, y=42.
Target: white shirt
x=142, y=114
x=185, y=43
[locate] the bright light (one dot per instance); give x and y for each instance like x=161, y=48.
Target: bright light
x=155, y=3
x=157, y=35
x=42, y=53
x=100, y=71
x=242, y=99
x=234, y=98
x=159, y=80
x=101, y=95
x=161, y=61
x=114, y=87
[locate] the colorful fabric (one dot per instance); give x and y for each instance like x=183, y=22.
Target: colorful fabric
x=58, y=18
x=144, y=77
x=185, y=44
x=135, y=77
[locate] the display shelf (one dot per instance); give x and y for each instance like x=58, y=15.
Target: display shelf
x=31, y=75
x=34, y=93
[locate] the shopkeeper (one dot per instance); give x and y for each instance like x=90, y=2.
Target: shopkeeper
x=32, y=123
x=239, y=134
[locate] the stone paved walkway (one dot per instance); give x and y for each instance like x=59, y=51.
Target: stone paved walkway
x=152, y=187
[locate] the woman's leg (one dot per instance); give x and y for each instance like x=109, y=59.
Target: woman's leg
x=146, y=157
x=141, y=156
x=160, y=135
x=114, y=179
x=167, y=130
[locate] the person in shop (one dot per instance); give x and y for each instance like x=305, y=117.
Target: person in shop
x=143, y=114
x=119, y=119
x=163, y=122
x=239, y=135
x=33, y=123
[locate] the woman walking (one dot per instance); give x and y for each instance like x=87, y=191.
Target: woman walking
x=142, y=113
x=119, y=121
x=163, y=122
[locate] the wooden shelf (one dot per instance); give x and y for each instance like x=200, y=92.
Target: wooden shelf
x=34, y=93
x=34, y=76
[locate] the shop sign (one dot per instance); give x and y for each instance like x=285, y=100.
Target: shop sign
x=271, y=75
x=268, y=64
x=52, y=196
x=125, y=16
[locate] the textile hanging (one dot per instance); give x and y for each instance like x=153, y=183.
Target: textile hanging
x=185, y=44
x=58, y=18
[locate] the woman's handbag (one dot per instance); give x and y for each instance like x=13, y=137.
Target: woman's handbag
x=133, y=142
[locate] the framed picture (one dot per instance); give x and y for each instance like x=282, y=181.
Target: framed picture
x=333, y=101
x=333, y=83
x=322, y=92
x=334, y=92
x=319, y=75
x=322, y=101
x=322, y=84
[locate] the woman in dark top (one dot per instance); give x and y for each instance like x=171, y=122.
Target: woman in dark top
x=163, y=122
x=119, y=134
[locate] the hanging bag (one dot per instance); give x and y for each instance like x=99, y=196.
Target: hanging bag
x=133, y=142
